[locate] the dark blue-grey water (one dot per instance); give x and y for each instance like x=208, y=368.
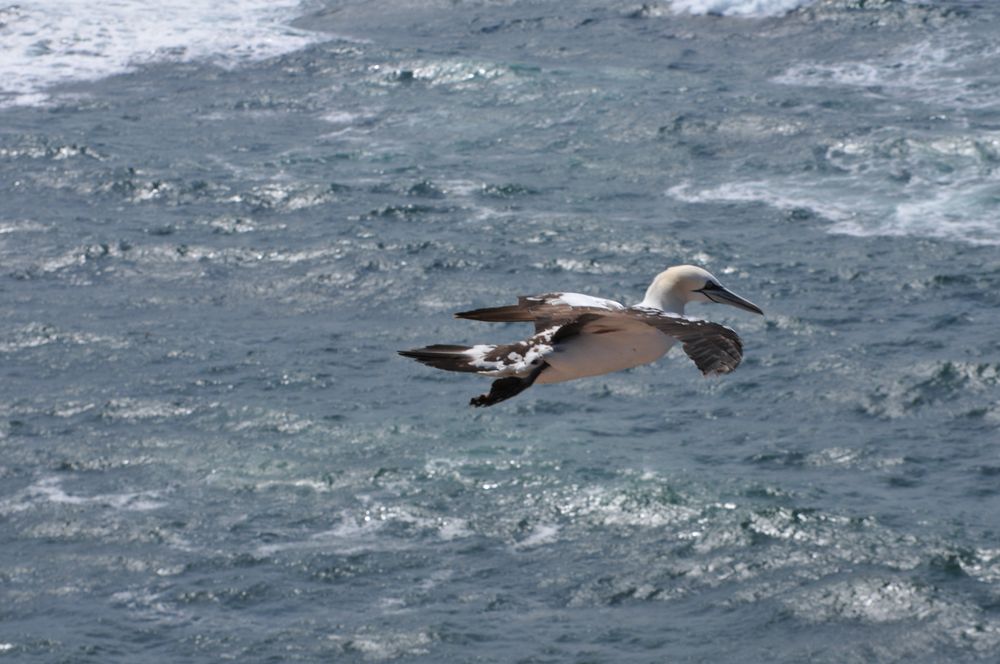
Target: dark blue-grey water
x=218, y=225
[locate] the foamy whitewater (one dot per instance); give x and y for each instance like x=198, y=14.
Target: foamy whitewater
x=220, y=221
x=49, y=42
x=746, y=8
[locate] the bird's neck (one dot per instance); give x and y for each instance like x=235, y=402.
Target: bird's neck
x=666, y=299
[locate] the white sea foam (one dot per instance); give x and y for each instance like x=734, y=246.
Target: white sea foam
x=542, y=534
x=457, y=73
x=48, y=42
x=453, y=528
x=867, y=600
x=49, y=490
x=25, y=226
x=866, y=205
x=366, y=531
x=945, y=68
x=385, y=646
x=348, y=537
x=34, y=335
x=783, y=195
x=752, y=8
x=131, y=410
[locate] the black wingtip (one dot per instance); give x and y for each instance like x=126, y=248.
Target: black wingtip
x=449, y=357
x=486, y=315
x=514, y=313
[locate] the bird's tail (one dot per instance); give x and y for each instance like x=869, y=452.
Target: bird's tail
x=449, y=357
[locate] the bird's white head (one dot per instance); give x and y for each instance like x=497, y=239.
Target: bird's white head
x=678, y=285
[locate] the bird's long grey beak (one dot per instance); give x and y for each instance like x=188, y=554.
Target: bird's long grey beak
x=725, y=296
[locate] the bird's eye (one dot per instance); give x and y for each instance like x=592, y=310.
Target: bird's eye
x=711, y=285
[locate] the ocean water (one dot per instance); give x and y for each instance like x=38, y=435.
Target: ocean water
x=218, y=224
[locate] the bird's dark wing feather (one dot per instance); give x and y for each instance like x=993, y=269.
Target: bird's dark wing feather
x=715, y=349
x=544, y=310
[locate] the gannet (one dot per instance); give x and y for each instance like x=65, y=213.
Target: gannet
x=580, y=335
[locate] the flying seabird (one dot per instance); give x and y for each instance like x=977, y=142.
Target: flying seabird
x=579, y=335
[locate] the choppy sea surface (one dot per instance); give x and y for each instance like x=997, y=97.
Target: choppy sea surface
x=218, y=223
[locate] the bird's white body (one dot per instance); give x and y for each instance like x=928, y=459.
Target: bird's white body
x=599, y=353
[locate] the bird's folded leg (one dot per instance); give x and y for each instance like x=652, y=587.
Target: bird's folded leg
x=505, y=388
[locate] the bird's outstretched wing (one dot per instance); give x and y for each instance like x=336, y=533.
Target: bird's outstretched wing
x=714, y=348
x=544, y=310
